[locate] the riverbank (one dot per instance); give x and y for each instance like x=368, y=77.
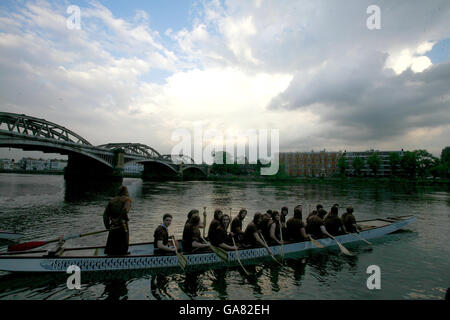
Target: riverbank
x=331, y=180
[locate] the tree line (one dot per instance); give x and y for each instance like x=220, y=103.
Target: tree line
x=412, y=164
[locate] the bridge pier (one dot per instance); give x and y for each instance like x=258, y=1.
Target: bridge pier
x=81, y=168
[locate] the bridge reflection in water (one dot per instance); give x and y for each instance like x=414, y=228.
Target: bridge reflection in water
x=88, y=162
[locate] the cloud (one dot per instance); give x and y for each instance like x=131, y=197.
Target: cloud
x=311, y=69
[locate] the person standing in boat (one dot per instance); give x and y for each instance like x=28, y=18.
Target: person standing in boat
x=316, y=227
x=252, y=233
x=221, y=238
x=191, y=235
x=236, y=226
x=275, y=228
x=115, y=218
x=215, y=223
x=296, y=226
x=333, y=223
x=161, y=237
x=349, y=221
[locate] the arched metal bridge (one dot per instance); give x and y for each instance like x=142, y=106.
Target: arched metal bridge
x=35, y=134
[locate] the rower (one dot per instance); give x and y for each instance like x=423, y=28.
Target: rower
x=190, y=214
x=274, y=228
x=220, y=237
x=116, y=219
x=314, y=212
x=236, y=226
x=191, y=235
x=333, y=223
x=161, y=236
x=265, y=222
x=349, y=221
x=296, y=226
x=315, y=225
x=215, y=223
x=252, y=233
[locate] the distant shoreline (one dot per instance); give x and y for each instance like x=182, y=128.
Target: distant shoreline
x=327, y=180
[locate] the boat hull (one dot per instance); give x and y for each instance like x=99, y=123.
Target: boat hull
x=12, y=236
x=139, y=260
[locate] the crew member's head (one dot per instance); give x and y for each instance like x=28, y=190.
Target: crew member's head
x=225, y=221
x=334, y=210
x=257, y=218
x=321, y=213
x=350, y=209
x=123, y=191
x=167, y=219
x=318, y=207
x=195, y=220
x=284, y=211
x=192, y=212
x=218, y=214
x=298, y=212
x=242, y=213
x=275, y=215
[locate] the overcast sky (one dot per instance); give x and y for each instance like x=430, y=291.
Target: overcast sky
x=138, y=70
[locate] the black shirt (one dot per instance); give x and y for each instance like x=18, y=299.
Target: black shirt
x=161, y=234
x=190, y=234
x=349, y=220
x=236, y=225
x=334, y=225
x=313, y=226
x=212, y=228
x=249, y=237
x=293, y=226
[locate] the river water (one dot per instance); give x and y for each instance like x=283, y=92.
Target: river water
x=414, y=263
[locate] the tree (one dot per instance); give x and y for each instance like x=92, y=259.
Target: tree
x=342, y=164
x=358, y=165
x=374, y=163
x=409, y=163
x=425, y=161
x=445, y=155
x=394, y=162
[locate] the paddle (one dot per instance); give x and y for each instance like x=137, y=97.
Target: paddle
x=316, y=243
x=361, y=238
x=343, y=249
x=237, y=251
x=182, y=261
x=222, y=254
x=204, y=221
x=34, y=244
x=281, y=238
x=271, y=254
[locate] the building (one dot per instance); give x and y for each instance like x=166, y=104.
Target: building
x=30, y=164
x=7, y=164
x=309, y=164
x=385, y=167
x=133, y=167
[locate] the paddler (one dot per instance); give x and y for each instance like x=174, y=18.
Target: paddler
x=215, y=223
x=349, y=221
x=283, y=214
x=161, y=237
x=252, y=233
x=333, y=223
x=274, y=228
x=316, y=227
x=296, y=226
x=221, y=238
x=236, y=226
x=116, y=219
x=191, y=235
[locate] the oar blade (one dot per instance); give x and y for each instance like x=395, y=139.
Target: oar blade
x=344, y=250
x=222, y=254
x=26, y=246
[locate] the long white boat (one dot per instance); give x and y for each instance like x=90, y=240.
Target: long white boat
x=9, y=235
x=141, y=254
